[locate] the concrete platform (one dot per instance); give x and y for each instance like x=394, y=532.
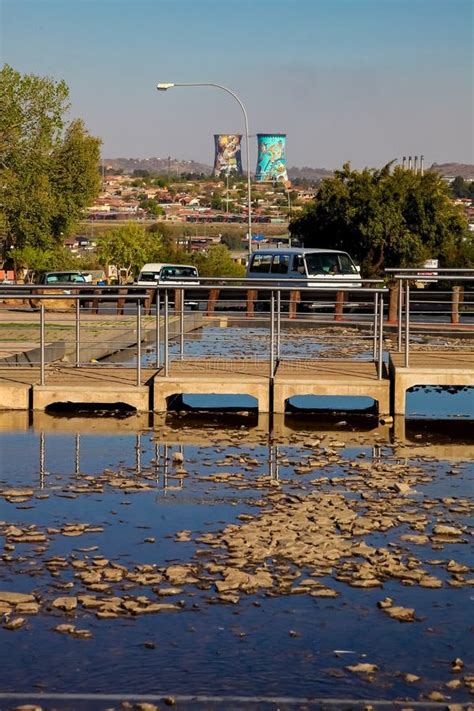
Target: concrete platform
x=428, y=368
x=15, y=387
x=20, y=388
x=92, y=385
x=334, y=378
x=213, y=377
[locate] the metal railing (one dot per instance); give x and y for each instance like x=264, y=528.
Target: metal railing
x=265, y=306
x=436, y=299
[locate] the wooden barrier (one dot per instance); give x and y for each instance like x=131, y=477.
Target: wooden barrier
x=456, y=299
x=339, y=306
x=252, y=295
x=295, y=298
x=211, y=301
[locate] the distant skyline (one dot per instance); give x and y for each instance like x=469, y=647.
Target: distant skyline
x=365, y=81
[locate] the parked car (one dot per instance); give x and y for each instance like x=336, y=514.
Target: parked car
x=65, y=281
x=171, y=275
x=52, y=278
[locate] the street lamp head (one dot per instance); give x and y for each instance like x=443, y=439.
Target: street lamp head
x=164, y=87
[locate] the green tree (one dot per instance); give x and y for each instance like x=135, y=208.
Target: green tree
x=34, y=260
x=128, y=248
x=48, y=167
x=386, y=218
x=151, y=207
x=74, y=177
x=460, y=187
x=216, y=201
x=217, y=262
x=232, y=241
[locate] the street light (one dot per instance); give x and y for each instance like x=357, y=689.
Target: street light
x=170, y=85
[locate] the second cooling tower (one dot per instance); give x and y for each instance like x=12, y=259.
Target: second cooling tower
x=271, y=160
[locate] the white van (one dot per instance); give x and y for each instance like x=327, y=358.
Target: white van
x=317, y=268
x=329, y=265
x=162, y=274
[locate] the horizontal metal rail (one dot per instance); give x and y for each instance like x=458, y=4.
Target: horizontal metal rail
x=276, y=343
x=454, y=307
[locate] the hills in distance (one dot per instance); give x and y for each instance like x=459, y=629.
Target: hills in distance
x=173, y=166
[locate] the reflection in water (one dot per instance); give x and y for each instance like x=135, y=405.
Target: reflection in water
x=42, y=453
x=95, y=471
x=407, y=438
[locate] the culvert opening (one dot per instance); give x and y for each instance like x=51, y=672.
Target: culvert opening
x=212, y=403
x=440, y=402
x=91, y=409
x=328, y=405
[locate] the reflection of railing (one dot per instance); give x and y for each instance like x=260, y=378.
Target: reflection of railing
x=168, y=474
x=437, y=298
x=273, y=305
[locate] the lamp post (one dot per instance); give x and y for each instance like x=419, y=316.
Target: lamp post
x=170, y=85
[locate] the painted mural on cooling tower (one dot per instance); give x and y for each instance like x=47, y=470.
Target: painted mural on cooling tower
x=271, y=160
x=228, y=157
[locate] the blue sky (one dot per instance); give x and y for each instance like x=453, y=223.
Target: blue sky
x=360, y=80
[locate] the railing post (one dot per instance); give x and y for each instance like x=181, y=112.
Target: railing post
x=393, y=313
x=181, y=321
x=139, y=341
x=376, y=324
x=166, y=334
x=157, y=331
x=42, y=336
x=380, y=348
x=272, y=333
x=407, y=323
x=400, y=315
x=78, y=332
x=278, y=322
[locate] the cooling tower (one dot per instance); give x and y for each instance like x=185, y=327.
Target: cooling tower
x=271, y=161
x=228, y=159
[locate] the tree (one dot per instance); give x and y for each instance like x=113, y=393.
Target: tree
x=217, y=262
x=386, y=218
x=74, y=177
x=34, y=260
x=459, y=187
x=129, y=247
x=232, y=241
x=151, y=207
x=48, y=167
x=216, y=201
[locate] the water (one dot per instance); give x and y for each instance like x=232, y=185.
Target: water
x=270, y=643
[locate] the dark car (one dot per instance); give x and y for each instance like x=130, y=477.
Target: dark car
x=53, y=278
